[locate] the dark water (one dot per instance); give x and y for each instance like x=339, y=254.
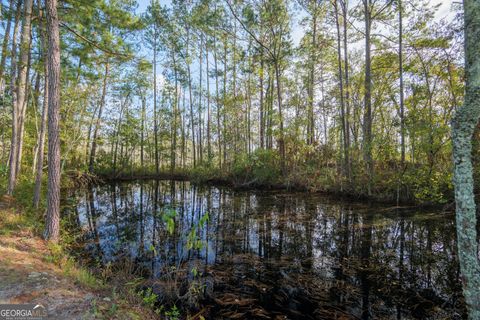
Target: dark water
x=275, y=255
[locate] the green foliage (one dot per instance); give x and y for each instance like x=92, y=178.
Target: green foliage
x=194, y=242
x=149, y=297
x=203, y=173
x=204, y=220
x=429, y=187
x=169, y=218
x=101, y=33
x=261, y=167
x=3, y=171
x=173, y=313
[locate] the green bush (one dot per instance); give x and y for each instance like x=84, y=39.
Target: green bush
x=431, y=187
x=260, y=167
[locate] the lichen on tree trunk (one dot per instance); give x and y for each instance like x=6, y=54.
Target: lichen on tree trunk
x=463, y=126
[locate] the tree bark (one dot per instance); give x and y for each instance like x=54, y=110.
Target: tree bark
x=93, y=151
x=367, y=144
x=192, y=122
x=13, y=53
x=217, y=100
x=155, y=120
x=400, y=65
x=200, y=95
x=26, y=89
x=116, y=139
x=262, y=111
x=281, y=141
x=52, y=223
x=311, y=85
x=173, y=151
x=224, y=103
x=345, y=148
x=6, y=39
x=36, y=104
x=192, y=119
x=464, y=123
x=347, y=89
x=43, y=125
x=182, y=122
x=209, y=145
x=19, y=95
x=142, y=136
x=41, y=145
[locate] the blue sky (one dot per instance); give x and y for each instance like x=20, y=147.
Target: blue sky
x=444, y=11
x=297, y=32
x=142, y=4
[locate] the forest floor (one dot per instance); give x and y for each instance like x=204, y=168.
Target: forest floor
x=31, y=274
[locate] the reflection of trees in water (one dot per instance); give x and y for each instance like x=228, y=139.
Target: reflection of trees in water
x=363, y=261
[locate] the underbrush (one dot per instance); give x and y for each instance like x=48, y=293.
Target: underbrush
x=125, y=290
x=414, y=184
x=18, y=219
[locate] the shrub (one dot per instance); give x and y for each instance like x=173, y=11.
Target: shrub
x=260, y=167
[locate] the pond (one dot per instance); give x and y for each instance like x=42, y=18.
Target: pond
x=275, y=254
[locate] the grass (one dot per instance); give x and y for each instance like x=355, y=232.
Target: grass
x=80, y=275
x=12, y=221
x=118, y=294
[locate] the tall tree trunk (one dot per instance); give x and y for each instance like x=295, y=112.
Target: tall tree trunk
x=13, y=53
x=345, y=147
x=173, y=151
x=5, y=48
x=182, y=114
x=367, y=144
x=142, y=141
x=200, y=95
x=41, y=145
x=324, y=111
x=464, y=123
x=400, y=64
x=234, y=83
x=116, y=139
x=269, y=110
x=311, y=85
x=36, y=104
x=347, y=90
x=155, y=118
x=281, y=141
x=249, y=104
x=19, y=98
x=402, y=107
x=93, y=151
x=43, y=124
x=209, y=145
x=192, y=121
x=224, y=103
x=89, y=133
x=52, y=223
x=262, y=107
x=217, y=101
x=27, y=94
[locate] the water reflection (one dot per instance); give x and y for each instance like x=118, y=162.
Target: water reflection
x=277, y=255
